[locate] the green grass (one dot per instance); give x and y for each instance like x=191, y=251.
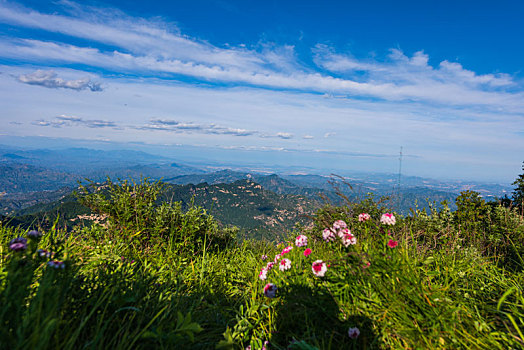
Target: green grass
x=154, y=277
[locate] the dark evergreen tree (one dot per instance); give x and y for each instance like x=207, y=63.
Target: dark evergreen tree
x=518, y=192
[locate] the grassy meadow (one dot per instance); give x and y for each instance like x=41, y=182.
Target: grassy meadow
x=149, y=275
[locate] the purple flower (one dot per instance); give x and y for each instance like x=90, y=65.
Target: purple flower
x=56, y=264
x=18, y=244
x=44, y=253
x=353, y=333
x=270, y=290
x=34, y=234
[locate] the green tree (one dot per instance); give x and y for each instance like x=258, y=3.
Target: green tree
x=471, y=210
x=518, y=192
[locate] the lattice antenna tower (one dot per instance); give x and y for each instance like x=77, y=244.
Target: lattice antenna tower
x=399, y=178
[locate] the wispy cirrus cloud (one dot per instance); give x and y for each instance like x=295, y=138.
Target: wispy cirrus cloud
x=68, y=121
x=158, y=47
x=50, y=79
x=189, y=127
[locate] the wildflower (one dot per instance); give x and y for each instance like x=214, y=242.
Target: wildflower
x=265, y=344
x=56, y=264
x=277, y=257
x=263, y=257
x=286, y=250
x=366, y=265
x=319, y=268
x=270, y=265
x=392, y=243
x=353, y=333
x=301, y=241
x=328, y=235
x=263, y=273
x=270, y=290
x=307, y=252
x=285, y=264
x=388, y=219
x=341, y=233
x=348, y=239
x=34, y=234
x=18, y=244
x=339, y=224
x=364, y=217
x=44, y=253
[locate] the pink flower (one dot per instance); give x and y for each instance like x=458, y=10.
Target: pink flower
x=353, y=333
x=263, y=257
x=388, y=219
x=286, y=250
x=301, y=241
x=270, y=265
x=263, y=273
x=328, y=235
x=339, y=224
x=364, y=217
x=307, y=252
x=270, y=290
x=366, y=265
x=285, y=264
x=343, y=232
x=348, y=239
x=392, y=243
x=319, y=268
x=277, y=257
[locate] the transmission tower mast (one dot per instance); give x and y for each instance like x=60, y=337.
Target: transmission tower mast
x=399, y=178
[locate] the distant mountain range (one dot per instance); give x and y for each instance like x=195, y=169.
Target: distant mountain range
x=36, y=183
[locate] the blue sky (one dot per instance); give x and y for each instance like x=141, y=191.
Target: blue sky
x=339, y=85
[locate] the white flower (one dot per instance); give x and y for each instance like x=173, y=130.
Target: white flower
x=353, y=333
x=263, y=274
x=364, y=217
x=270, y=290
x=319, y=268
x=286, y=250
x=348, y=239
x=328, y=235
x=388, y=219
x=301, y=241
x=285, y=264
x=339, y=224
x=343, y=232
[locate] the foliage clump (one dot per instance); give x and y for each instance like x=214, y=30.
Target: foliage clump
x=151, y=275
x=132, y=212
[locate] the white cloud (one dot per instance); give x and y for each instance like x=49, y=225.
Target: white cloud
x=176, y=126
x=158, y=47
x=50, y=79
x=284, y=135
x=68, y=121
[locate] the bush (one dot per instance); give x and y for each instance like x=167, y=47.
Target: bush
x=133, y=213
